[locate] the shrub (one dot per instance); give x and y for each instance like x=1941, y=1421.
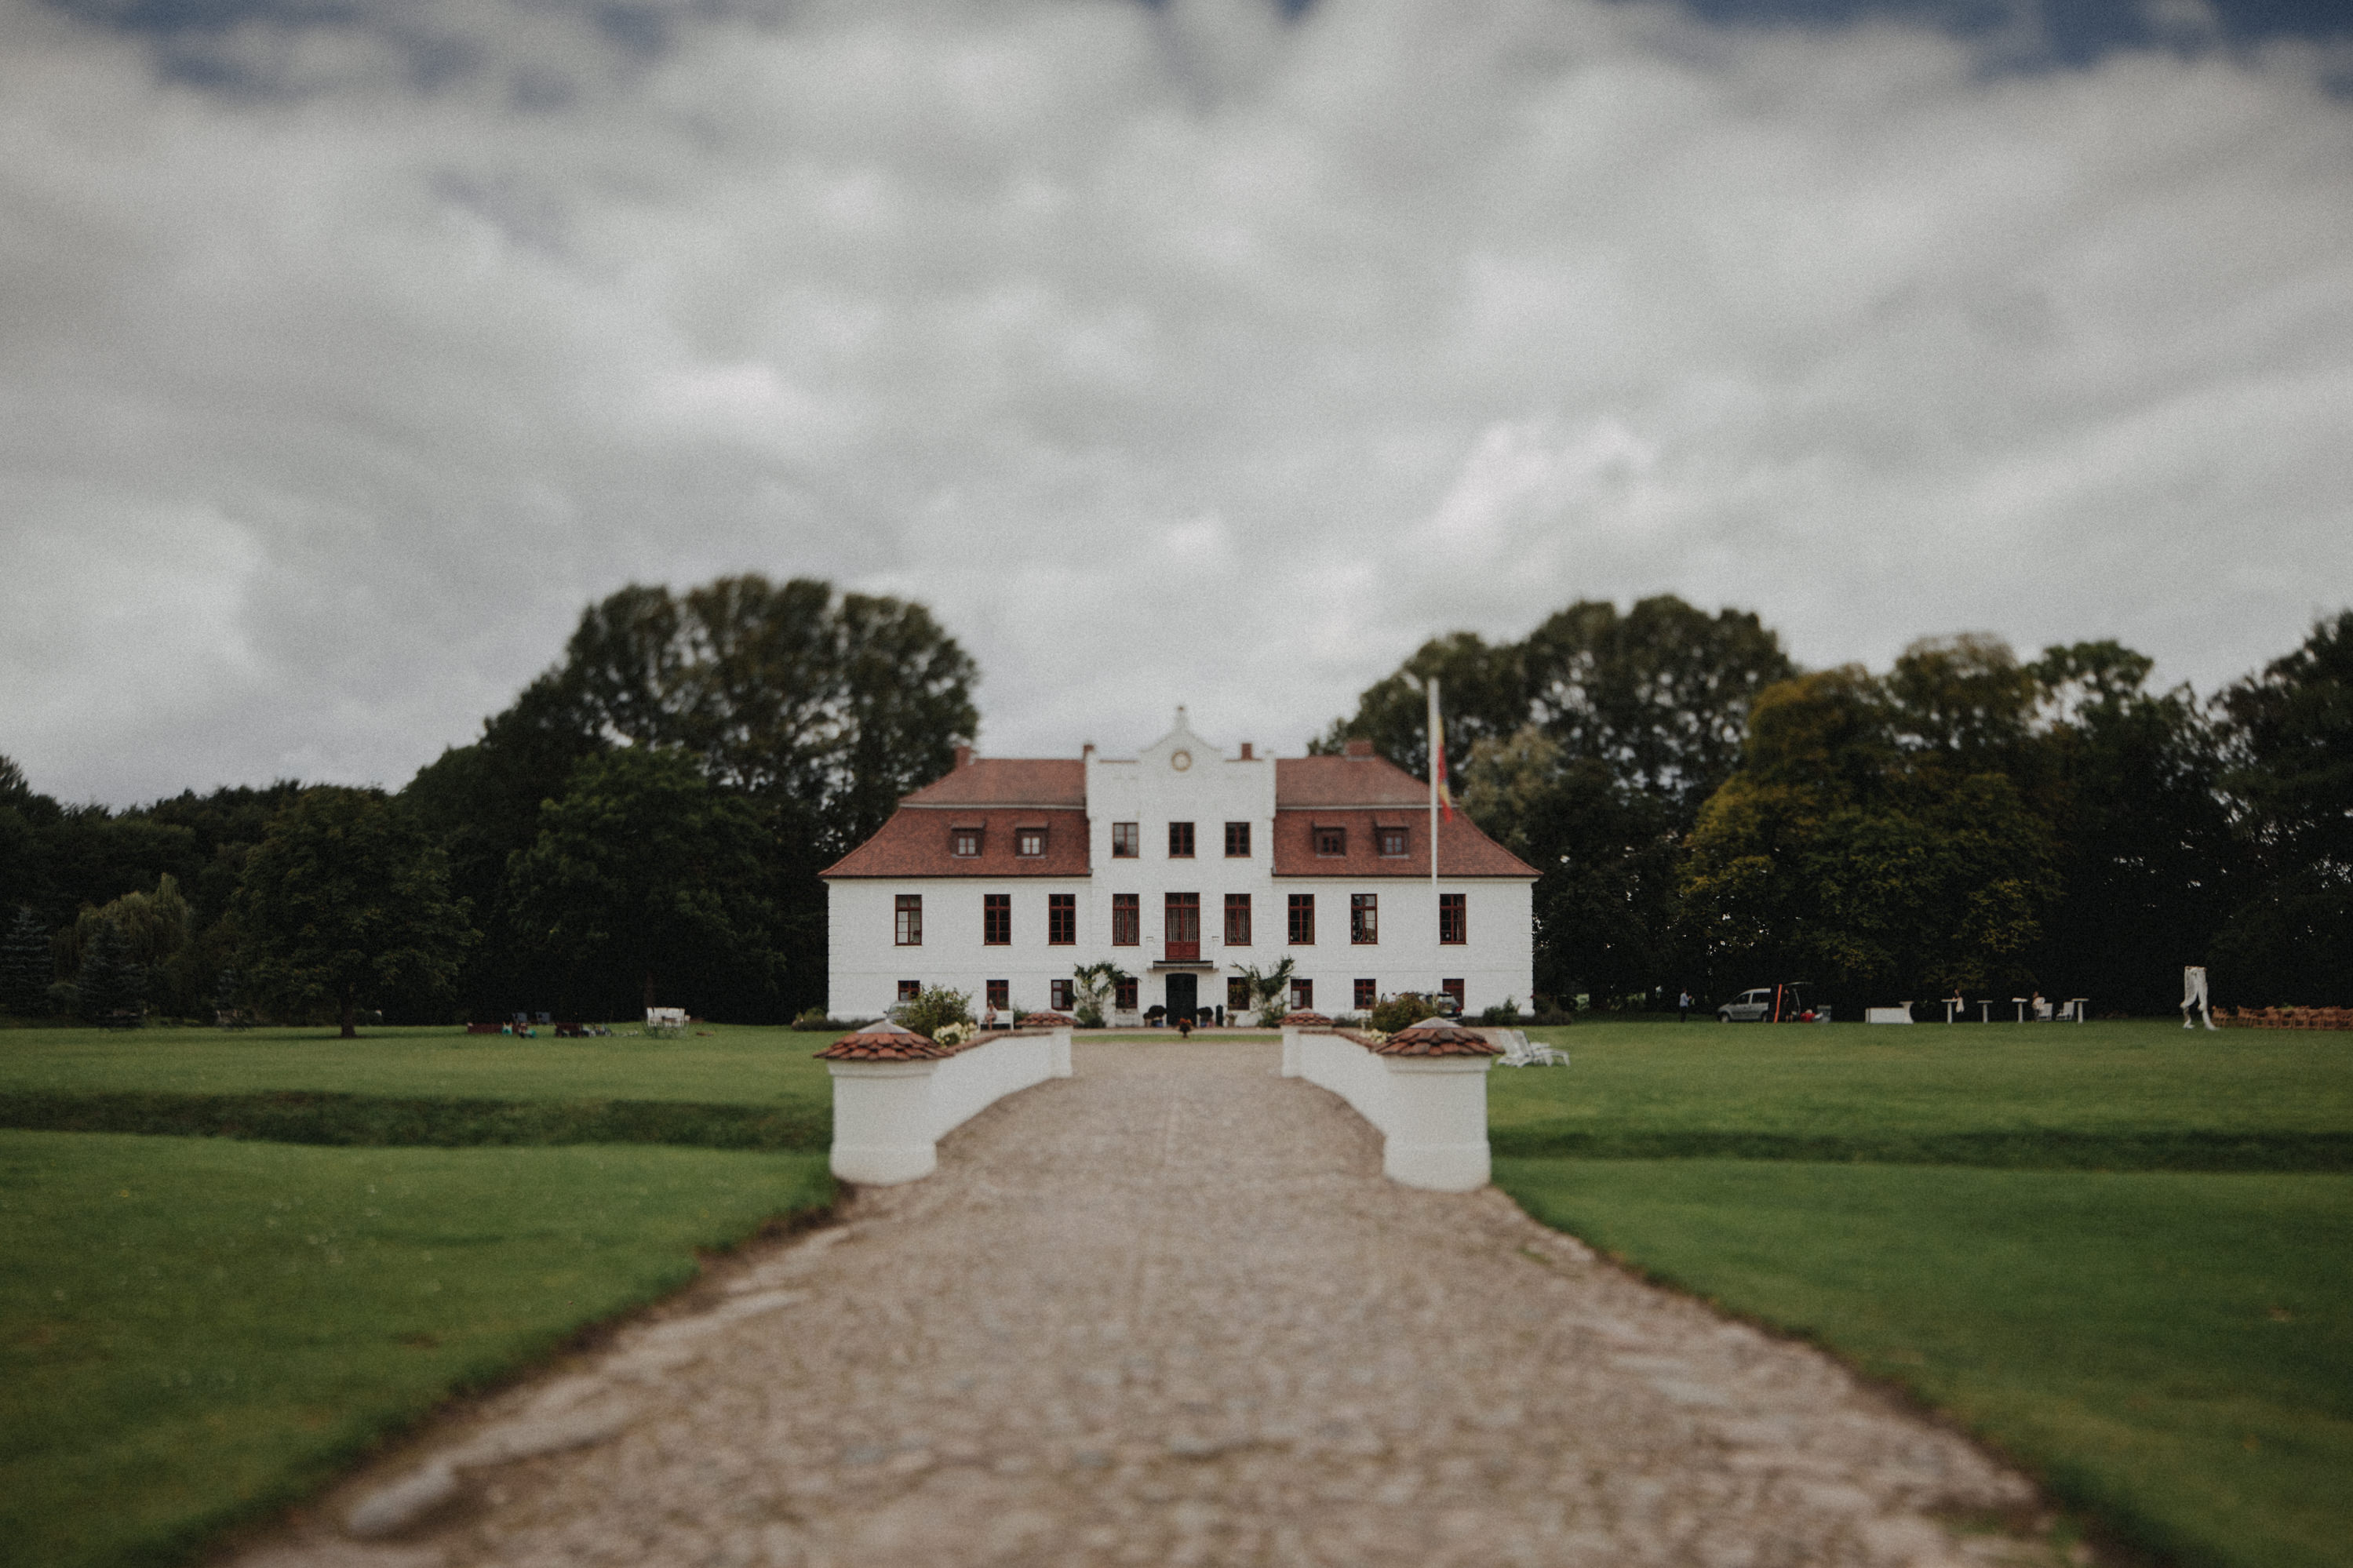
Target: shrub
x=1507, y=1015
x=935, y=1010
x=1269, y=990
x=1401, y=1011
x=1095, y=985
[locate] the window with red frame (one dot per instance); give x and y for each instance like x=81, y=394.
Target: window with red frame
x=1364, y=918
x=1059, y=993
x=907, y=928
x=1237, y=840
x=1236, y=996
x=1124, y=841
x=1331, y=841
x=1454, y=988
x=1367, y=995
x=1182, y=915
x=1302, y=995
x=1453, y=920
x=1390, y=842
x=1123, y=995
x=1180, y=841
x=1062, y=918
x=997, y=919
x=1126, y=928
x=910, y=990
x=1303, y=920
x=1001, y=994
x=1237, y=919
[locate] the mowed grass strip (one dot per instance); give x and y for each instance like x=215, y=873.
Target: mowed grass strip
x=2171, y=1352
x=2129, y=1093
x=720, y=1065
x=303, y=1116
x=194, y=1332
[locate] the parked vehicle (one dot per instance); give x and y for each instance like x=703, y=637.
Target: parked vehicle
x=1790, y=1002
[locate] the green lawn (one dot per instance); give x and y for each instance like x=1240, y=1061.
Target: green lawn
x=728, y=1066
x=2151, y=1306
x=193, y=1330
x=2172, y=1352
x=2115, y=1095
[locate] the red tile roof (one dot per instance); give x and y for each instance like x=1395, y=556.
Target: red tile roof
x=1008, y=781
x=1437, y=1038
x=999, y=794
x=1345, y=781
x=1462, y=849
x=915, y=843
x=884, y=1041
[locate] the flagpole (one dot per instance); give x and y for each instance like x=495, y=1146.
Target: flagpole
x=1437, y=764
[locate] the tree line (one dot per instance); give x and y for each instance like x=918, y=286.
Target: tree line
x=1704, y=813
x=643, y=825
x=645, y=822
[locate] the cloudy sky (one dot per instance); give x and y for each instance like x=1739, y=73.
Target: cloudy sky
x=1210, y=353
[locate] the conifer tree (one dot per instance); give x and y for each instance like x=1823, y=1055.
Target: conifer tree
x=25, y=967
x=111, y=981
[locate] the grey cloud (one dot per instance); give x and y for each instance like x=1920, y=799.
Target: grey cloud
x=1171, y=355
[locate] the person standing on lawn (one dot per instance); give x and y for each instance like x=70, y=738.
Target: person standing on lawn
x=1683, y=1008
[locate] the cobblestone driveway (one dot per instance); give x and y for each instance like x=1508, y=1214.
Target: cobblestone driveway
x=1168, y=1312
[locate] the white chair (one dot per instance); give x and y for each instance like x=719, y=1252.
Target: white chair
x=1519, y=1051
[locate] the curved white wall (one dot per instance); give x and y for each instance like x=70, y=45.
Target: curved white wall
x=1431, y=1111
x=889, y=1117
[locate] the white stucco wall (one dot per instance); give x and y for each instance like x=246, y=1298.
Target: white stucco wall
x=1431, y=1111
x=866, y=964
x=889, y=1117
x=1498, y=961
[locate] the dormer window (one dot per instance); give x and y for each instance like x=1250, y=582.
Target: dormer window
x=1331, y=841
x=1390, y=841
x=1029, y=843
x=964, y=843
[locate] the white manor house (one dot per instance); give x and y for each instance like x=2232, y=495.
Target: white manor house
x=1181, y=866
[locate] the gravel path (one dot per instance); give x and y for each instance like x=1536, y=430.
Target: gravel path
x=1168, y=1312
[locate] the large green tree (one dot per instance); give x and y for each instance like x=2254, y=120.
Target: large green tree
x=817, y=709
x=1481, y=685
x=1604, y=900
x=837, y=703
x=1659, y=694
x=647, y=873
x=2146, y=855
x=1586, y=749
x=1871, y=839
x=347, y=902
x=2292, y=939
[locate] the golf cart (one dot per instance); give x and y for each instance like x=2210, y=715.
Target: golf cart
x=1790, y=1002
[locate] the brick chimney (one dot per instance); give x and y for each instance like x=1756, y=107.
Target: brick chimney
x=1359, y=747
x=963, y=755
x=1246, y=752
